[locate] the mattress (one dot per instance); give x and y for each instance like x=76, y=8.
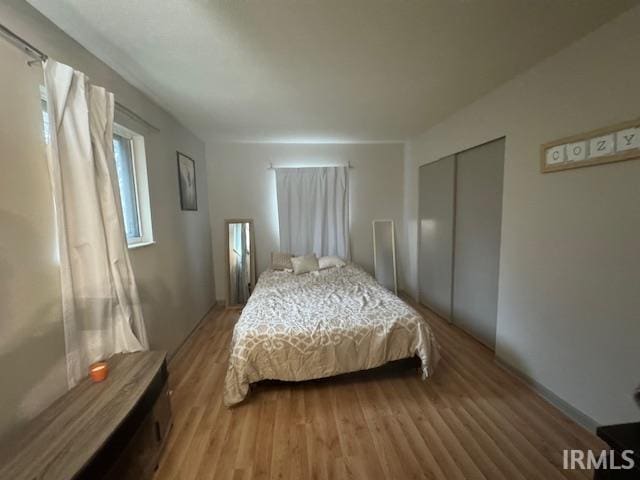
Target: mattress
x=320, y=324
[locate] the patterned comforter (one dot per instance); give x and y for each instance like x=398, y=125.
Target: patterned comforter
x=319, y=324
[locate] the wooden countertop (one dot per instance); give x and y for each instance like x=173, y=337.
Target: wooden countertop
x=60, y=442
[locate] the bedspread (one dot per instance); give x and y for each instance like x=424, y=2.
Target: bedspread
x=319, y=324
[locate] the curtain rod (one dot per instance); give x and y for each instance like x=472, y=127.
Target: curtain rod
x=40, y=57
x=20, y=42
x=348, y=165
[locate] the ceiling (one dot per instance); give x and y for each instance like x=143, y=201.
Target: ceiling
x=330, y=70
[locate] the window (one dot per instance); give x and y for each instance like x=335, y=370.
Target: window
x=131, y=169
x=123, y=153
x=45, y=121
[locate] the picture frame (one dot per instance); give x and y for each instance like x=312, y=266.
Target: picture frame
x=187, y=182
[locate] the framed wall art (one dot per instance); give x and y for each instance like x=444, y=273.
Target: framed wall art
x=611, y=144
x=187, y=182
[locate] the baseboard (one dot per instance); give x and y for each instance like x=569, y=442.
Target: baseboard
x=569, y=410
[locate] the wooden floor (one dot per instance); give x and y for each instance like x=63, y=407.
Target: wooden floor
x=473, y=419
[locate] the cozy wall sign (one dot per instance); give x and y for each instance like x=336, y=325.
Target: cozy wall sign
x=613, y=144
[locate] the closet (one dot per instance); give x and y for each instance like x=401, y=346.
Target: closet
x=460, y=217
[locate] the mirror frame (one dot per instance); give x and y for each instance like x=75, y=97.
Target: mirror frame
x=252, y=260
x=393, y=247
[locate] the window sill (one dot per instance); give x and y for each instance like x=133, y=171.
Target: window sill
x=141, y=244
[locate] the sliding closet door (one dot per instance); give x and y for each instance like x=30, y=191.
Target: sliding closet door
x=436, y=234
x=478, y=222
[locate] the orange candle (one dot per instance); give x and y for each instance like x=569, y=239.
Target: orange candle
x=98, y=371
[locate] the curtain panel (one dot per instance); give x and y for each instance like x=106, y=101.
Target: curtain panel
x=313, y=210
x=100, y=304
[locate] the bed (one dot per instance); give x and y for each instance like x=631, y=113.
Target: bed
x=320, y=324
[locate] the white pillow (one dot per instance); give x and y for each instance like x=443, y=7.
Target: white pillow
x=328, y=262
x=305, y=263
x=281, y=261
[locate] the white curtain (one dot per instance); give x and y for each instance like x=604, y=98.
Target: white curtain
x=313, y=210
x=100, y=304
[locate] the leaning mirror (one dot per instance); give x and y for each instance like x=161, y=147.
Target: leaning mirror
x=384, y=254
x=241, y=262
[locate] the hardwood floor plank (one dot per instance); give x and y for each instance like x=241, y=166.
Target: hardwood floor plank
x=420, y=449
x=356, y=442
x=432, y=440
x=507, y=468
x=227, y=463
x=391, y=462
x=215, y=448
x=248, y=438
x=176, y=452
x=282, y=439
x=264, y=446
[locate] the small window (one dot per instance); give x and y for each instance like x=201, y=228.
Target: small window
x=45, y=121
x=131, y=169
x=125, y=167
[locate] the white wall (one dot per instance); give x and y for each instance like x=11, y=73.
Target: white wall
x=569, y=292
x=175, y=276
x=241, y=186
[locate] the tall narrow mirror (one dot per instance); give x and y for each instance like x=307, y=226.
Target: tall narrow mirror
x=384, y=254
x=241, y=263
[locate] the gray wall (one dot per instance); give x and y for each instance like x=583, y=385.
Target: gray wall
x=569, y=289
x=174, y=276
x=242, y=187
